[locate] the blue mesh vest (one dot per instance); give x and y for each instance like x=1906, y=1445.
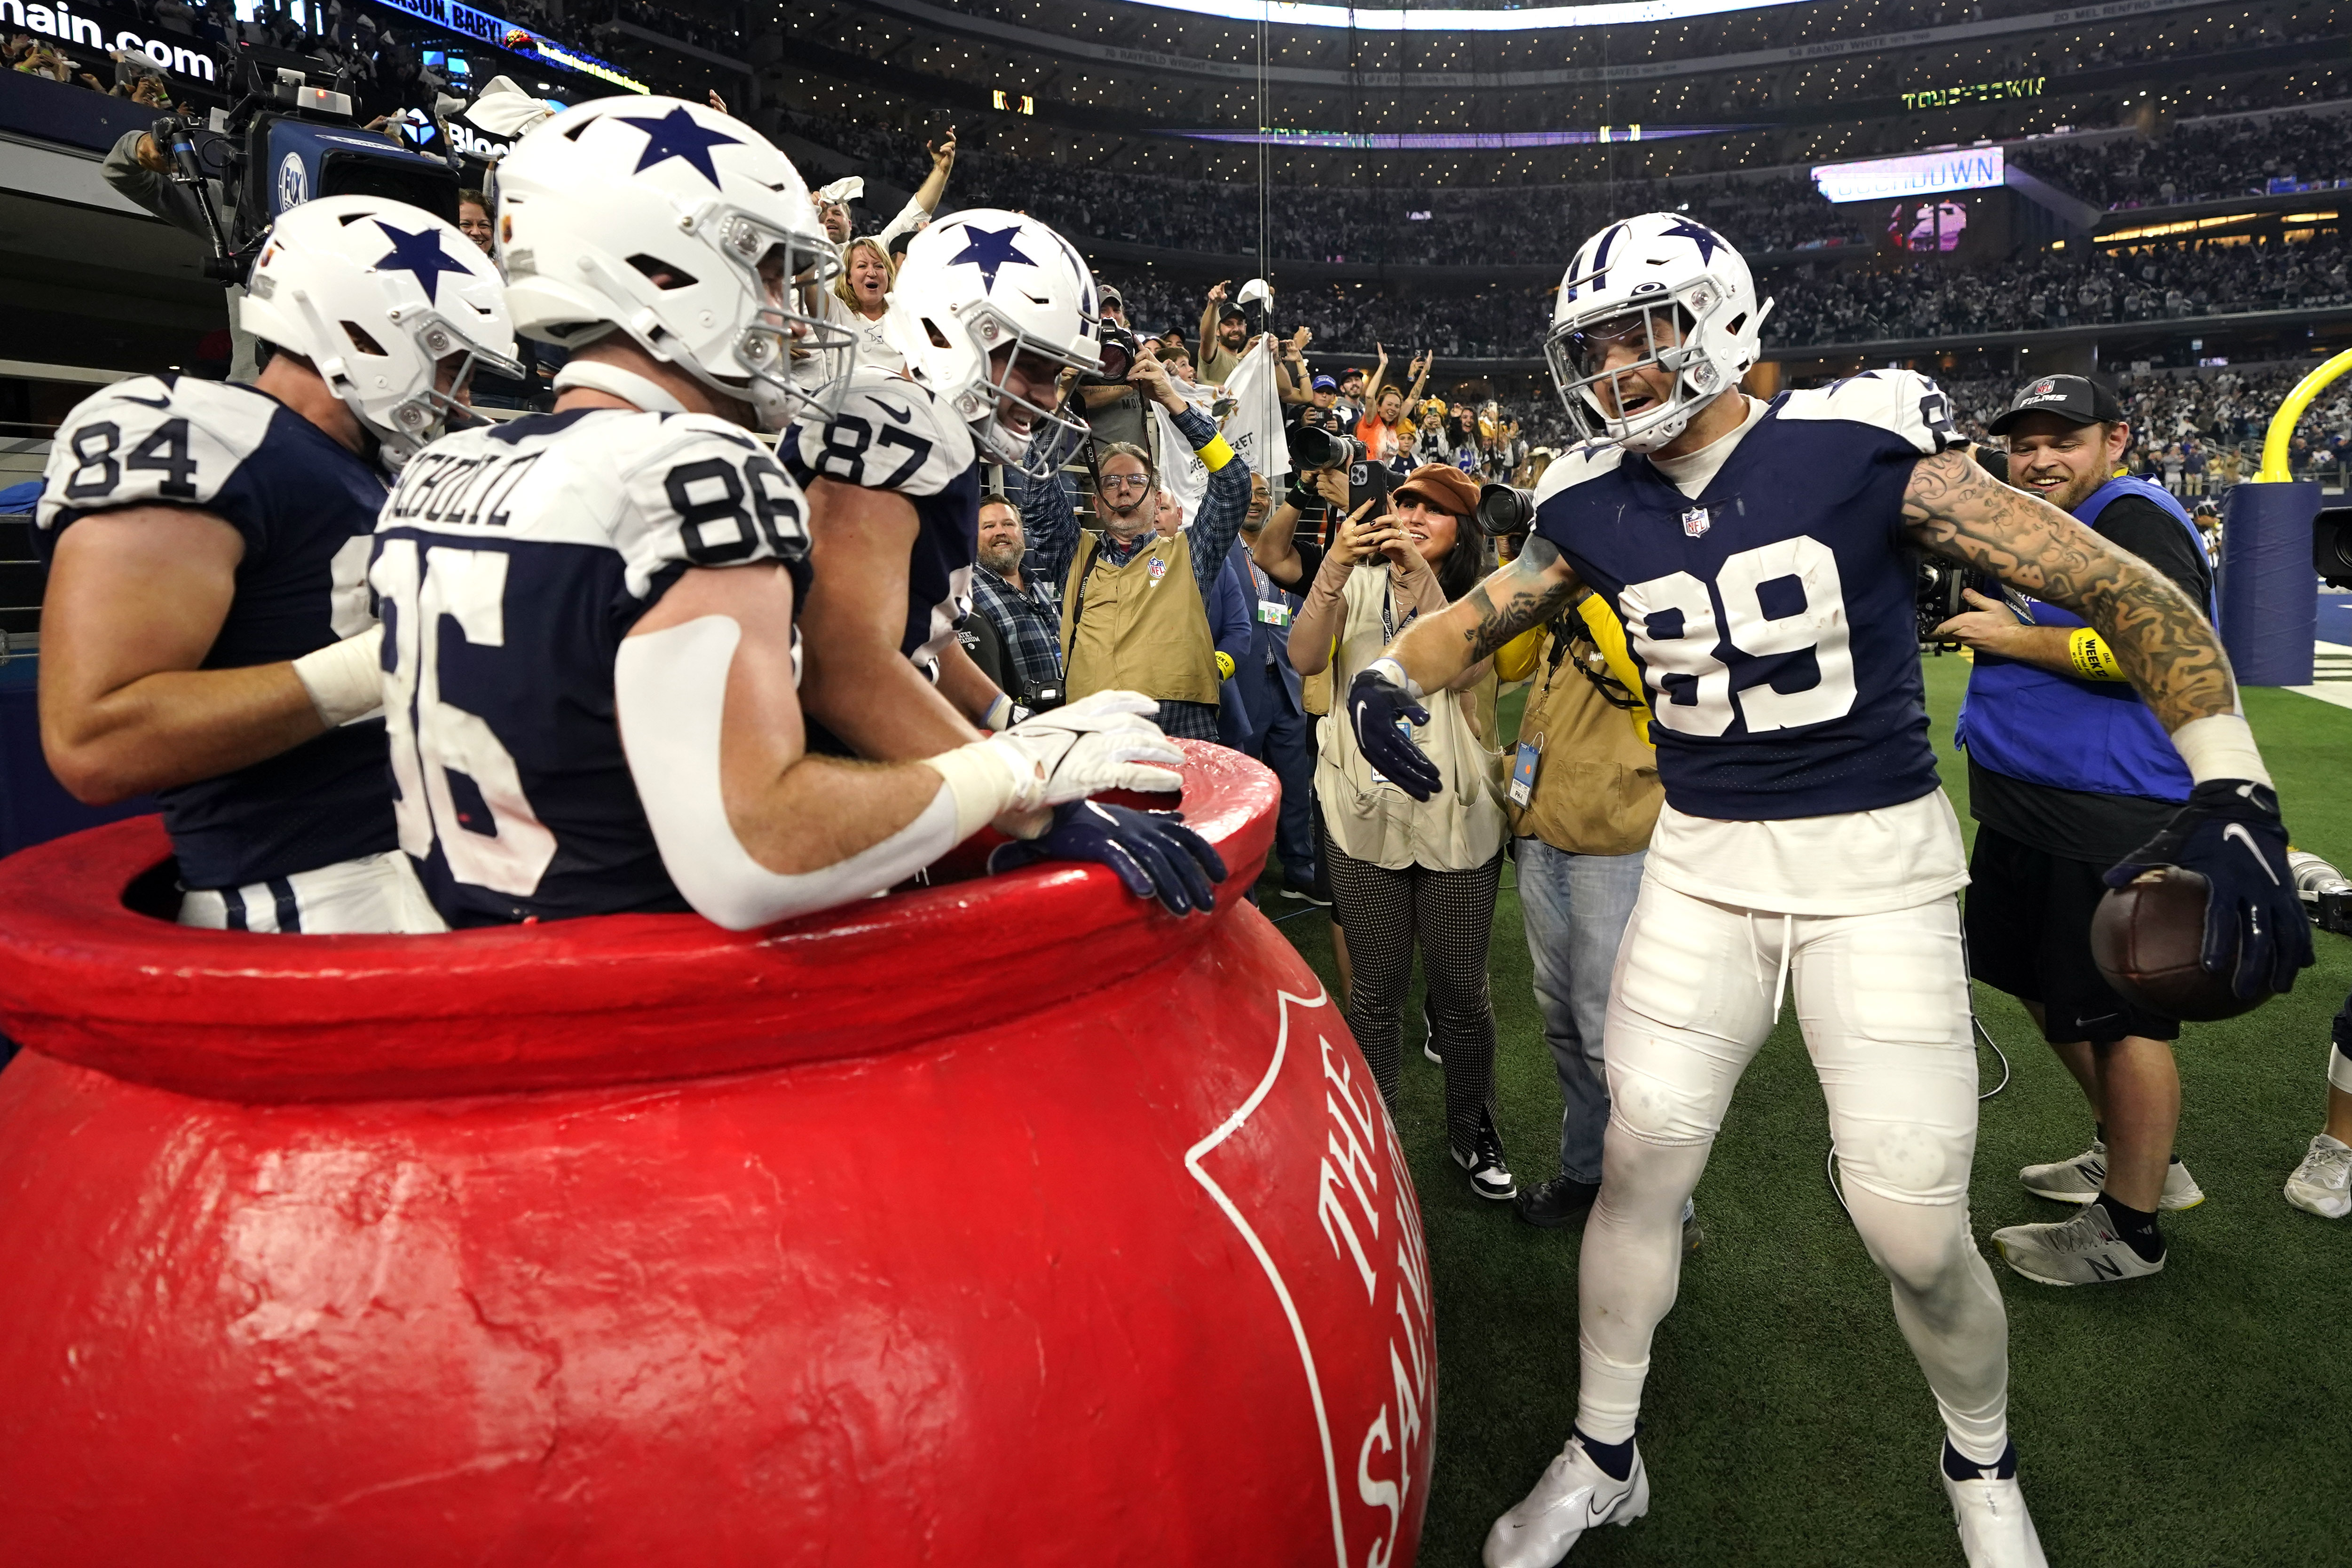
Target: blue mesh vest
x=2097, y=737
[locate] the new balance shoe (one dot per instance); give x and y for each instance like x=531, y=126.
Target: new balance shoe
x=2084, y=1178
x=1995, y=1529
x=1573, y=1495
x=1490, y=1176
x=2323, y=1183
x=2084, y=1250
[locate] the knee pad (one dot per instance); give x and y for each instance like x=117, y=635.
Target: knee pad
x=1646, y=1099
x=1908, y=1162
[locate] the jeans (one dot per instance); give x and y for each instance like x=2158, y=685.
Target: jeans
x=1575, y=907
x=1286, y=743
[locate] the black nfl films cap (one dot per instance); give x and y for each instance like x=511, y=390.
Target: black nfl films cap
x=2077, y=398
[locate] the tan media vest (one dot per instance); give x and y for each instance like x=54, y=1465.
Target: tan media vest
x=1145, y=628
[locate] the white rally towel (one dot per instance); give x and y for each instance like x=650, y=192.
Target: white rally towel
x=1254, y=429
x=1181, y=469
x=503, y=108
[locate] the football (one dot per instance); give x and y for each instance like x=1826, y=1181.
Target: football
x=2146, y=937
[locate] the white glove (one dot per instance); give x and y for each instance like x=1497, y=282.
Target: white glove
x=1098, y=743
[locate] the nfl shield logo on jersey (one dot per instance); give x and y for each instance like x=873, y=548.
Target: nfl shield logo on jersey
x=1695, y=521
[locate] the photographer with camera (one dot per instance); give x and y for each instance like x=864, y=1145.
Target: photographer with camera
x=1135, y=602
x=1113, y=409
x=2069, y=772
x=1019, y=610
x=1406, y=872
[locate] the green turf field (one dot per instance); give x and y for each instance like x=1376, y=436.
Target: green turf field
x=2197, y=1418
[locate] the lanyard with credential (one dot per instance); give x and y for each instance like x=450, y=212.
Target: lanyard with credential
x=1390, y=626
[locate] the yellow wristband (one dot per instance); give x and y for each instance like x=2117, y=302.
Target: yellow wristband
x=1216, y=454
x=1225, y=666
x=2094, y=660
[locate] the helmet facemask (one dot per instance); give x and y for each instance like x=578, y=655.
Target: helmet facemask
x=779, y=340
x=982, y=406
x=1665, y=333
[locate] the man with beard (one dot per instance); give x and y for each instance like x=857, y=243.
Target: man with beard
x=1019, y=609
x=1224, y=333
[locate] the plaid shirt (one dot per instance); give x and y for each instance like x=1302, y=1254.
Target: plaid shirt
x=1029, y=621
x=1052, y=525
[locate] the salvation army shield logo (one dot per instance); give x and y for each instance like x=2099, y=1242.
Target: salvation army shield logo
x=1308, y=1170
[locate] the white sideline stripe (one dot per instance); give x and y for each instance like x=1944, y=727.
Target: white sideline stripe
x=1290, y=1309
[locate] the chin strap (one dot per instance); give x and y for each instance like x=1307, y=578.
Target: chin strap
x=596, y=376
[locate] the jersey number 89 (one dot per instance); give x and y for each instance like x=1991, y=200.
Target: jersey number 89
x=1674, y=625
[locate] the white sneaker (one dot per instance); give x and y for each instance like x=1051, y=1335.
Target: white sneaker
x=2084, y=1250
x=2323, y=1183
x=1574, y=1495
x=2084, y=1178
x=1995, y=1529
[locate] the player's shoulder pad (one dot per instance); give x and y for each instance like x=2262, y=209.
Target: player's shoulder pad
x=152, y=439
x=889, y=434
x=1579, y=465
x=1903, y=404
x=695, y=490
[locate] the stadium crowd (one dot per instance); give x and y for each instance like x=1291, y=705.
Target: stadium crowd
x=2196, y=163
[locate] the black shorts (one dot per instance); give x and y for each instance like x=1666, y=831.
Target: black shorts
x=2027, y=919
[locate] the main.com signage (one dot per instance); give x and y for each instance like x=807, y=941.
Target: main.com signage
x=1921, y=174
x=70, y=26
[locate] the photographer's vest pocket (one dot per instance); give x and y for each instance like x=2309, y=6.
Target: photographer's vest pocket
x=1139, y=627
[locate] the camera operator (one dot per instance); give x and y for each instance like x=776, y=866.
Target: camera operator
x=1112, y=408
x=1020, y=610
x=2069, y=773
x=1333, y=478
x=141, y=171
x=1116, y=630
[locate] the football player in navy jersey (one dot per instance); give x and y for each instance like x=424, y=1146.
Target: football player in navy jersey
x=1758, y=556
x=207, y=634
x=990, y=310
x=591, y=655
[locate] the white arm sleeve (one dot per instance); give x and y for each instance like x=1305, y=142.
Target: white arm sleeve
x=669, y=689
x=913, y=213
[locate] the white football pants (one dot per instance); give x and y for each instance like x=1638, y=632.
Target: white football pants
x=373, y=894
x=1884, y=1002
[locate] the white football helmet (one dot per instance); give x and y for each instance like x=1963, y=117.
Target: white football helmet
x=986, y=283
x=375, y=294
x=1675, y=291
x=596, y=203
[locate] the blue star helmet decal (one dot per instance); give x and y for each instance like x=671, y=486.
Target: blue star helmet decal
x=1700, y=235
x=990, y=250
x=421, y=255
x=677, y=134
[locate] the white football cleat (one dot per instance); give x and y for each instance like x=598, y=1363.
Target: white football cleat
x=2084, y=1250
x=2323, y=1183
x=1574, y=1495
x=1995, y=1529
x=2084, y=1178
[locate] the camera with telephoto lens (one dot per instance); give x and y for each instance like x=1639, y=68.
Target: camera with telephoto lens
x=1505, y=509
x=1313, y=448
x=1119, y=356
x=1937, y=600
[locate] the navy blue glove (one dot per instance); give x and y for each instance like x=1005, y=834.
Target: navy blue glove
x=2230, y=834
x=1375, y=704
x=1153, y=851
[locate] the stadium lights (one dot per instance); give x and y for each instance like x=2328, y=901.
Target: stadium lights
x=1533, y=18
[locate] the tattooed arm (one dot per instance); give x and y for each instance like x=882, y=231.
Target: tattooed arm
x=2169, y=651
x=1534, y=587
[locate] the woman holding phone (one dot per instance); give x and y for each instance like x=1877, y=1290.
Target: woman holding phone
x=1404, y=870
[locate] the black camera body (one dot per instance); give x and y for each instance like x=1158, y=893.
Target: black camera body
x=2331, y=546
x=1313, y=448
x=1120, y=353
x=1939, y=597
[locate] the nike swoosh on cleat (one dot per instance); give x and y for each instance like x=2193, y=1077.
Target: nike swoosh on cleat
x=2238, y=831
x=903, y=415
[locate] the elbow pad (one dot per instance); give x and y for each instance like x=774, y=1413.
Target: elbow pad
x=670, y=691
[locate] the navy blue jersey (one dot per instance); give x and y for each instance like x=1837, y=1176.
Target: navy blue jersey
x=508, y=565
x=1771, y=616
x=304, y=505
x=891, y=433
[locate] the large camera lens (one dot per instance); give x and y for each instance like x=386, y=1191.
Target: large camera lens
x=1505, y=509
x=1311, y=447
